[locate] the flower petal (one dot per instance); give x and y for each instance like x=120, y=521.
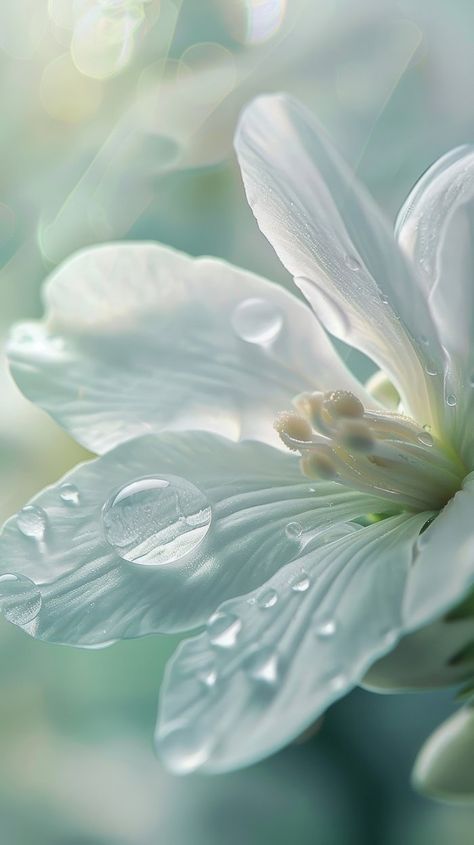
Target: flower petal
x=138, y=337
x=155, y=534
x=443, y=768
x=331, y=237
x=443, y=570
x=272, y=661
x=435, y=229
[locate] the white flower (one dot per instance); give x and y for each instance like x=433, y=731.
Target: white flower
x=313, y=561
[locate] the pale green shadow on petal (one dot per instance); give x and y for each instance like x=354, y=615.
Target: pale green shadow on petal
x=273, y=660
x=139, y=337
x=154, y=535
x=444, y=767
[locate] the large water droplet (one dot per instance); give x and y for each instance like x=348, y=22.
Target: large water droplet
x=183, y=750
x=223, y=629
x=154, y=521
x=20, y=599
x=69, y=493
x=294, y=530
x=300, y=583
x=268, y=598
x=326, y=629
x=263, y=666
x=257, y=321
x=32, y=521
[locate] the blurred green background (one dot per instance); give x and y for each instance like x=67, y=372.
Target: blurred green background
x=117, y=122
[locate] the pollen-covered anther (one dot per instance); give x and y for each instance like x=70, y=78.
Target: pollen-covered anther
x=342, y=404
x=318, y=464
x=294, y=430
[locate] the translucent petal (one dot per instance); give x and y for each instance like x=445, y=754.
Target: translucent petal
x=443, y=768
x=436, y=230
x=156, y=533
x=272, y=661
x=138, y=337
x=332, y=238
x=443, y=570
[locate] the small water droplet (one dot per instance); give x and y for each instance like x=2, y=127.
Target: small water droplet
x=31, y=521
x=352, y=263
x=451, y=400
x=20, y=599
x=183, y=749
x=326, y=629
x=257, y=321
x=425, y=438
x=268, y=598
x=223, y=629
x=424, y=340
x=69, y=493
x=338, y=683
x=300, y=583
x=384, y=298
x=208, y=678
x=263, y=665
x=294, y=530
x=431, y=370
x=155, y=521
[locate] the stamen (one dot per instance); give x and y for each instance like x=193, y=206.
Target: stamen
x=371, y=451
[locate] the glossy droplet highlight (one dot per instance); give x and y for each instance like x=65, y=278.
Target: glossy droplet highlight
x=325, y=630
x=257, y=321
x=263, y=666
x=69, y=494
x=294, y=530
x=32, y=522
x=425, y=438
x=154, y=521
x=300, y=583
x=223, y=629
x=183, y=750
x=208, y=678
x=451, y=400
x=267, y=599
x=20, y=599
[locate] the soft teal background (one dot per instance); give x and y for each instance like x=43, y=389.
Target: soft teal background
x=144, y=151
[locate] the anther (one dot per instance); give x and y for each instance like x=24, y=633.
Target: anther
x=342, y=404
x=293, y=430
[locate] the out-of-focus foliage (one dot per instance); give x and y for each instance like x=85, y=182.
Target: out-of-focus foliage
x=117, y=122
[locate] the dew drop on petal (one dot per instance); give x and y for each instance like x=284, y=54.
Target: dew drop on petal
x=352, y=263
x=263, y=666
x=69, y=493
x=155, y=521
x=183, y=750
x=257, y=321
x=326, y=629
x=20, y=599
x=268, y=598
x=431, y=370
x=384, y=298
x=223, y=629
x=425, y=438
x=208, y=678
x=31, y=521
x=300, y=583
x=294, y=530
x=451, y=400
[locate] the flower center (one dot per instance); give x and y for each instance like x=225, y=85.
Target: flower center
x=371, y=451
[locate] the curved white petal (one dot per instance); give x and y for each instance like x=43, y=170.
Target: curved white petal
x=443, y=569
x=331, y=237
x=139, y=337
x=272, y=661
x=443, y=768
x=436, y=230
x=219, y=529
